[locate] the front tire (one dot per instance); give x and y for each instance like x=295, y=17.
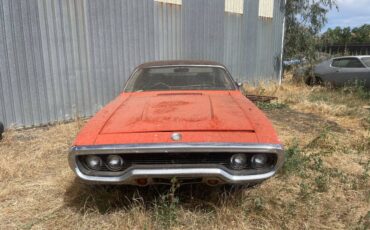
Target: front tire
x=311, y=81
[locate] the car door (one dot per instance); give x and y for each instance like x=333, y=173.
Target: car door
x=351, y=71
x=366, y=61
x=331, y=71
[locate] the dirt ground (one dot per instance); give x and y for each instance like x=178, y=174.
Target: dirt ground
x=325, y=183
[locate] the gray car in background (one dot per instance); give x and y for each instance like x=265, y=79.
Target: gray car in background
x=342, y=71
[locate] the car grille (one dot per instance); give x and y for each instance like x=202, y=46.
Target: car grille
x=168, y=159
x=178, y=158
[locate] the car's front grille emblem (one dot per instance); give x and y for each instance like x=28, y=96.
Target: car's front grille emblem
x=176, y=136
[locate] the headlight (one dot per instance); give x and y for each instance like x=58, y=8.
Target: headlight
x=238, y=161
x=259, y=160
x=94, y=162
x=115, y=162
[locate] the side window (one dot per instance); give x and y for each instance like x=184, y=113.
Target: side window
x=347, y=63
x=366, y=60
x=354, y=63
x=338, y=63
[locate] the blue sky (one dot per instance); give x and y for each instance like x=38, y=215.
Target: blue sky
x=351, y=13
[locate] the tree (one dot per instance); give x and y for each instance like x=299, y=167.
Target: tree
x=345, y=35
x=361, y=34
x=332, y=36
x=304, y=21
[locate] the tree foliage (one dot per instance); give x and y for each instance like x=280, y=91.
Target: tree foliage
x=304, y=21
x=347, y=35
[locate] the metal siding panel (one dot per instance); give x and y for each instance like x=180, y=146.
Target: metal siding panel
x=2, y=101
x=279, y=14
x=232, y=27
x=21, y=61
x=32, y=77
x=68, y=61
x=62, y=59
x=130, y=42
x=167, y=18
x=54, y=59
x=126, y=48
x=46, y=62
x=87, y=90
x=249, y=37
x=6, y=96
x=37, y=50
x=74, y=60
x=113, y=47
x=200, y=26
x=108, y=75
x=94, y=48
x=62, y=70
x=101, y=65
x=119, y=42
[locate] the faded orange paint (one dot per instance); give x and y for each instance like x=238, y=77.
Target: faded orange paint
x=200, y=116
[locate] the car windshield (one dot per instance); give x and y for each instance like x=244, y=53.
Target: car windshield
x=179, y=78
x=366, y=61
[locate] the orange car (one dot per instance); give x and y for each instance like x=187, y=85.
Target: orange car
x=178, y=119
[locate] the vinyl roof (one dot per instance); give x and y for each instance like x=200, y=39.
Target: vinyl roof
x=179, y=62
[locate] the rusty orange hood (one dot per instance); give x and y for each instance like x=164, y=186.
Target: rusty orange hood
x=183, y=111
x=200, y=116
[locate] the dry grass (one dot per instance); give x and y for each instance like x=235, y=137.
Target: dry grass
x=325, y=183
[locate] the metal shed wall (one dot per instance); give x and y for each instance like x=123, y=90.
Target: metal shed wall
x=65, y=58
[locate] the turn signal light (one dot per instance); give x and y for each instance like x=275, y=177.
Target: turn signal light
x=212, y=182
x=142, y=181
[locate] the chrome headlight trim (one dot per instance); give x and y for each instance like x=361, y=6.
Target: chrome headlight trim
x=176, y=147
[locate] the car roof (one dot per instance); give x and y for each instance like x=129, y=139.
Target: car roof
x=356, y=56
x=179, y=63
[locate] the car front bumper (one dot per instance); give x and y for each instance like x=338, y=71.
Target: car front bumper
x=152, y=172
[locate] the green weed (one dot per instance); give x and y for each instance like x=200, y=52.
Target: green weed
x=258, y=204
x=322, y=183
x=166, y=208
x=305, y=190
x=357, y=89
x=364, y=222
x=295, y=160
x=366, y=174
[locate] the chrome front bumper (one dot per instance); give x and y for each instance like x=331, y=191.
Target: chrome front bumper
x=193, y=171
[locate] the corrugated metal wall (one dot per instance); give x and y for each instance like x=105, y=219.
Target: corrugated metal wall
x=65, y=58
